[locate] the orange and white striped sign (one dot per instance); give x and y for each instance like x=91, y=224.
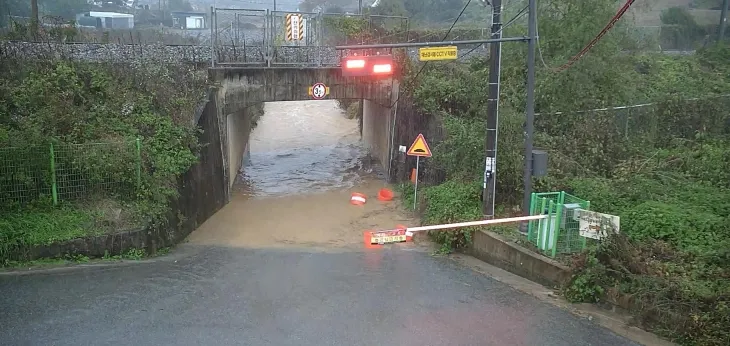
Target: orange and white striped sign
x=294, y=27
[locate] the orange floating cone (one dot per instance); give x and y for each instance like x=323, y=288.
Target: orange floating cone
x=385, y=195
x=358, y=199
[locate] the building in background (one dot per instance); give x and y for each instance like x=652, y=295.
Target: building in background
x=105, y=20
x=188, y=20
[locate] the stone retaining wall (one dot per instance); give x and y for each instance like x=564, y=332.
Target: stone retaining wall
x=178, y=54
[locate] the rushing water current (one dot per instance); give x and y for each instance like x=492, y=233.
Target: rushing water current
x=302, y=147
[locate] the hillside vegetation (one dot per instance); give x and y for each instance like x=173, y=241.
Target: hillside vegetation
x=664, y=168
x=90, y=148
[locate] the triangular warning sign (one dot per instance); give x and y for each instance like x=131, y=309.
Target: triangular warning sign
x=419, y=147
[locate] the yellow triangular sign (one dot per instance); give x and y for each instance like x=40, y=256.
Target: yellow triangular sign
x=419, y=147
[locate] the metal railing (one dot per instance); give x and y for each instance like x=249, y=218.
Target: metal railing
x=258, y=37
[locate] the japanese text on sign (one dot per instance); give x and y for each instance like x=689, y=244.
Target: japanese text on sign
x=597, y=225
x=438, y=53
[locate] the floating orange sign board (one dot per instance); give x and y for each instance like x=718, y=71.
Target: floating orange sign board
x=419, y=147
x=376, y=239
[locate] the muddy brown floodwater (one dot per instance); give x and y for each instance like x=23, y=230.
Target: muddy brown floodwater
x=306, y=158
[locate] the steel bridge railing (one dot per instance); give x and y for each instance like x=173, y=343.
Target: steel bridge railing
x=258, y=37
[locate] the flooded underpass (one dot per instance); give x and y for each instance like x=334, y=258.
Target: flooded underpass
x=283, y=264
x=304, y=160
x=303, y=147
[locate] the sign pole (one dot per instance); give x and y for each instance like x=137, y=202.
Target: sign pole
x=415, y=189
x=530, y=105
x=418, y=148
x=489, y=185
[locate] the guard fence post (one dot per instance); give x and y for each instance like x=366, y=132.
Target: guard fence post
x=138, y=152
x=54, y=185
x=585, y=239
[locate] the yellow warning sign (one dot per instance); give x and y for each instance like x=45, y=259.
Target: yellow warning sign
x=419, y=147
x=437, y=53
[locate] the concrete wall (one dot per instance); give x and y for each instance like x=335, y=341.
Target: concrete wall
x=497, y=251
x=377, y=128
x=239, y=129
x=291, y=84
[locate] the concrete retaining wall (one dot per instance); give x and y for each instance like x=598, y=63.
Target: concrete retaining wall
x=497, y=251
x=238, y=132
x=377, y=122
x=377, y=127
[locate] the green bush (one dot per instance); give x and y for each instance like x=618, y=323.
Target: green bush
x=452, y=202
x=663, y=169
x=93, y=114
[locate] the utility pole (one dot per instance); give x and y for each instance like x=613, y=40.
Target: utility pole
x=34, y=22
x=359, y=7
x=723, y=21
x=530, y=107
x=274, y=5
x=495, y=61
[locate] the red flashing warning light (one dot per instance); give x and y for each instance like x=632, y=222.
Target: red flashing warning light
x=382, y=68
x=355, y=63
x=360, y=66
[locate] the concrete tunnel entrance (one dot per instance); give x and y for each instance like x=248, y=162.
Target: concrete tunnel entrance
x=308, y=132
x=293, y=172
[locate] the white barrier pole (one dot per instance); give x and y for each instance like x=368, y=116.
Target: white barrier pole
x=476, y=223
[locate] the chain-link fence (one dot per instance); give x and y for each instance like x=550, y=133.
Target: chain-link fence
x=640, y=121
x=239, y=36
x=59, y=172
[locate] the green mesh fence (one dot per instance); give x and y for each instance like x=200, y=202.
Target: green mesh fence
x=559, y=232
x=59, y=172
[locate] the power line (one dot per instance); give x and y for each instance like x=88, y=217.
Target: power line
x=443, y=39
x=509, y=22
x=593, y=42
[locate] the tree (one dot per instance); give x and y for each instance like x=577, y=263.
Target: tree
x=34, y=17
x=66, y=9
x=334, y=9
x=325, y=5
x=390, y=8
x=434, y=10
x=680, y=30
x=13, y=8
x=179, y=5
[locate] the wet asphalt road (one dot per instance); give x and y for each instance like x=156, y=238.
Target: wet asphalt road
x=233, y=296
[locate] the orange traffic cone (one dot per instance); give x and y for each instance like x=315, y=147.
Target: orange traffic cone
x=358, y=199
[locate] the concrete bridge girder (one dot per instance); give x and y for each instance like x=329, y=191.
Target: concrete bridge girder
x=237, y=89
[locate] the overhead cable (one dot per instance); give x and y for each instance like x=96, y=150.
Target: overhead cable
x=443, y=39
x=595, y=40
